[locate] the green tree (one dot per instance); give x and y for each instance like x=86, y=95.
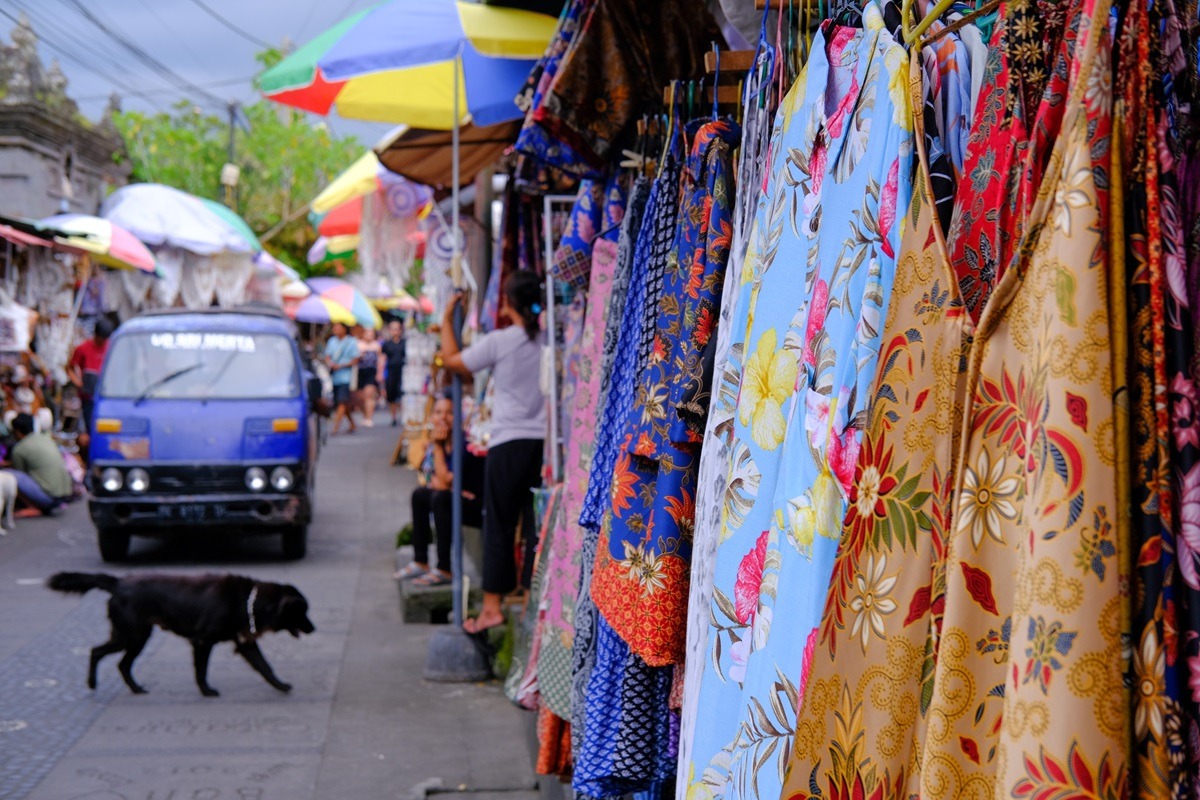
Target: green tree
x=285, y=159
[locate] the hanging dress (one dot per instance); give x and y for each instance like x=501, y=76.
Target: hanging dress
x=1029, y=695
x=866, y=692
x=818, y=275
x=623, y=726
x=640, y=578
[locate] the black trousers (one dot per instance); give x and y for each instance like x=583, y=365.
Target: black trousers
x=428, y=502
x=511, y=471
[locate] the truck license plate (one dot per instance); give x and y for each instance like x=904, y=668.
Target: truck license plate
x=192, y=512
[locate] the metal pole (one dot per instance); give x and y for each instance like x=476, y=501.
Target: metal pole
x=552, y=335
x=456, y=547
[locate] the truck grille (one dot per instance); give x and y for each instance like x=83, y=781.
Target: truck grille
x=198, y=479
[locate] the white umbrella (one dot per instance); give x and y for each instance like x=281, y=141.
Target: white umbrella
x=162, y=216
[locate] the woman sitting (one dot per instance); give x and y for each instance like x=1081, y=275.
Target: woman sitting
x=434, y=498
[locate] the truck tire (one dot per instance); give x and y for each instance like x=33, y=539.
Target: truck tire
x=295, y=542
x=114, y=543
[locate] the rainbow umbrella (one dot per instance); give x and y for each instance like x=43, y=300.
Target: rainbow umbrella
x=425, y=63
x=345, y=295
x=105, y=242
x=315, y=308
x=325, y=249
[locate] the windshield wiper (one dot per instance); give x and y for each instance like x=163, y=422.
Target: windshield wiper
x=164, y=380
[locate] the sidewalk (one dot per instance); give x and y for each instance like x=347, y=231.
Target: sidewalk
x=392, y=734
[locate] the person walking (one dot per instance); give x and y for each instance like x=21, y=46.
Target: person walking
x=341, y=356
x=434, y=499
x=391, y=367
x=84, y=371
x=514, y=460
x=368, y=374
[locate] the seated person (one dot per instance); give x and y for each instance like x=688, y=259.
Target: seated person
x=433, y=498
x=42, y=477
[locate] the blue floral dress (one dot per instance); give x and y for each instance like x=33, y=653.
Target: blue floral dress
x=816, y=284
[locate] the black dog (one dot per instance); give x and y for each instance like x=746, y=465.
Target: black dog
x=206, y=609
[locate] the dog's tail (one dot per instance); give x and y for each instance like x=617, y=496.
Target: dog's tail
x=80, y=582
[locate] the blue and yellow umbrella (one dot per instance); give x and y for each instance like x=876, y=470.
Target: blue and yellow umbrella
x=401, y=61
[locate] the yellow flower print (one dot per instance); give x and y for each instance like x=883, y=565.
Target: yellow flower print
x=769, y=378
x=895, y=61
x=987, y=498
x=817, y=512
x=697, y=789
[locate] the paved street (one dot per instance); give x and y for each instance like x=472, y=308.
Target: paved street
x=359, y=723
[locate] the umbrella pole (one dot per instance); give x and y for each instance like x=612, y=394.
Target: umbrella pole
x=454, y=656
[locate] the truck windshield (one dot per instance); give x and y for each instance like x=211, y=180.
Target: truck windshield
x=201, y=366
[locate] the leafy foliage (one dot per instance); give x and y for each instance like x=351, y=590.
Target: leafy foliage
x=285, y=161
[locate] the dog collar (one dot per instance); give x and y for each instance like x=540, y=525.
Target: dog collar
x=250, y=609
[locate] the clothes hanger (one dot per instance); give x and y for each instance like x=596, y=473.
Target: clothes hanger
x=911, y=36
x=966, y=19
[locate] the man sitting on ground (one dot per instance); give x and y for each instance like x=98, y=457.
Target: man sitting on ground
x=42, y=477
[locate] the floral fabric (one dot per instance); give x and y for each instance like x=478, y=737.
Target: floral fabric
x=557, y=600
x=640, y=579
x=727, y=373
x=817, y=280
x=869, y=684
x=649, y=261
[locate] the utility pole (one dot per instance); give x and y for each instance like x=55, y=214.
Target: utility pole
x=230, y=172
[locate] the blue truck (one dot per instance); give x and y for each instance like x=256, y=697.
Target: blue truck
x=203, y=420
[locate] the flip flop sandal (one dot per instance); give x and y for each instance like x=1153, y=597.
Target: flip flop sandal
x=409, y=571
x=433, y=579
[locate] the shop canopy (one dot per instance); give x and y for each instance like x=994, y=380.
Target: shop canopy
x=401, y=60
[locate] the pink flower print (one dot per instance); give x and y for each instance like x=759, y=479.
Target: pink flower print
x=810, y=647
x=843, y=37
x=1183, y=412
x=842, y=112
x=816, y=320
x=1194, y=677
x=749, y=581
x=842, y=455
x=1188, y=543
x=816, y=418
x=887, y=208
x=739, y=654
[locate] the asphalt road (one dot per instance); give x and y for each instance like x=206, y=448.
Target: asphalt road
x=359, y=722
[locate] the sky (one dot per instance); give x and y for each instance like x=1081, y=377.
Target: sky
x=183, y=37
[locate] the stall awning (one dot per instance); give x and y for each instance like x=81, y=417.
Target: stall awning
x=425, y=156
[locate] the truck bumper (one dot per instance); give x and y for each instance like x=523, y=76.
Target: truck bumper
x=150, y=513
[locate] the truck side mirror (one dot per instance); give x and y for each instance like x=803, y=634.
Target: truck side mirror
x=313, y=387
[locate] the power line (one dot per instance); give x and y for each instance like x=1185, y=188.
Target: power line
x=67, y=54
x=74, y=42
x=182, y=40
x=247, y=36
x=172, y=89
x=140, y=54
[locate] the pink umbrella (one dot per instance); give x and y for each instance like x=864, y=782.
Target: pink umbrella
x=107, y=243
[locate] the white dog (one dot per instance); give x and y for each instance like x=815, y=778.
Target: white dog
x=8, y=499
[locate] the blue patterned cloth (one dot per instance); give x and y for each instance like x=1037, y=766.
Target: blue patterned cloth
x=626, y=747
x=632, y=347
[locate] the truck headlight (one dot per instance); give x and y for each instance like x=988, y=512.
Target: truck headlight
x=111, y=480
x=138, y=480
x=282, y=479
x=256, y=479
